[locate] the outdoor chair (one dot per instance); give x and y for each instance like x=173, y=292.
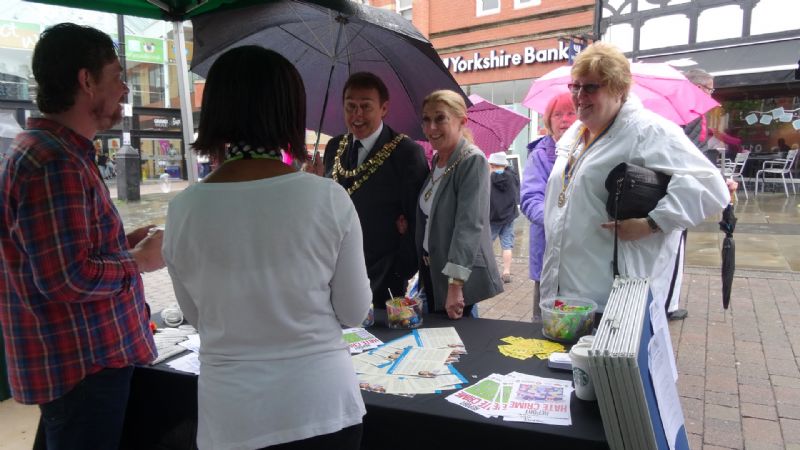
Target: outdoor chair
x=780, y=166
x=735, y=169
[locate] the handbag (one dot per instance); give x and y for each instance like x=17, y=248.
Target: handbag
x=633, y=191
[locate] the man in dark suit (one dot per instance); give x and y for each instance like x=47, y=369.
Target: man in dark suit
x=383, y=171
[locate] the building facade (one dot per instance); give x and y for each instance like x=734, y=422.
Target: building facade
x=496, y=48
x=751, y=47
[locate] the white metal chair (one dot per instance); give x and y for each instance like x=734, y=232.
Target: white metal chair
x=780, y=166
x=735, y=169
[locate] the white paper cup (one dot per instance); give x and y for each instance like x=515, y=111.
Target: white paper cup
x=584, y=387
x=588, y=340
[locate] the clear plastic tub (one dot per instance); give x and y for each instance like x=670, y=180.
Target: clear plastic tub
x=403, y=312
x=566, y=319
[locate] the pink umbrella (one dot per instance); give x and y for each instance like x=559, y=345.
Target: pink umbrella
x=493, y=127
x=660, y=87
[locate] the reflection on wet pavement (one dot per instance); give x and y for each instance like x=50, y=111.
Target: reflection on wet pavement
x=767, y=235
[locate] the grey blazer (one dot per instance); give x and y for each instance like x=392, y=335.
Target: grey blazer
x=459, y=242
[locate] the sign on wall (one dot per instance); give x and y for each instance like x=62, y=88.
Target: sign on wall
x=498, y=59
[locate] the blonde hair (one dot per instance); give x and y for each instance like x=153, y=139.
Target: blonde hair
x=455, y=103
x=606, y=61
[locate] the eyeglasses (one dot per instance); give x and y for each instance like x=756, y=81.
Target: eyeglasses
x=589, y=88
x=709, y=90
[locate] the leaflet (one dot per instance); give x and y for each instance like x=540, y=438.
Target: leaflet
x=421, y=362
x=359, y=340
x=446, y=337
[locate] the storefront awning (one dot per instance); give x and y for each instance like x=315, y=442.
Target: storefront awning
x=758, y=63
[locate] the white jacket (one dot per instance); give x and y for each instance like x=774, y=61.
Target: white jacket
x=578, y=255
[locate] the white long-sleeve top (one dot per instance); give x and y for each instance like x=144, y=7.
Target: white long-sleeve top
x=578, y=254
x=267, y=270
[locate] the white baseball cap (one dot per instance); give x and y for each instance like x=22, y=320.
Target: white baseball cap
x=498, y=159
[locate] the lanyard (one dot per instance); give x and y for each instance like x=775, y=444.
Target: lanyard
x=573, y=164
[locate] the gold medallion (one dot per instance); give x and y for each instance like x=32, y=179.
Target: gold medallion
x=562, y=199
x=428, y=194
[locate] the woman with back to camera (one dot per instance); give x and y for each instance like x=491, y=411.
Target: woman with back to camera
x=613, y=127
x=267, y=299
x=558, y=117
x=458, y=268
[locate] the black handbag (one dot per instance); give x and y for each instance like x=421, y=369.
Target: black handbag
x=633, y=191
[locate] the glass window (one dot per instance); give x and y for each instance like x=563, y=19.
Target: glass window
x=709, y=21
x=485, y=7
x=404, y=8
x=526, y=3
x=665, y=31
x=771, y=16
x=620, y=35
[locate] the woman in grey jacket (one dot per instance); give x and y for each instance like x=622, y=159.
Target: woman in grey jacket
x=457, y=267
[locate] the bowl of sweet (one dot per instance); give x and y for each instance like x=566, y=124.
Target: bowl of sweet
x=403, y=312
x=566, y=319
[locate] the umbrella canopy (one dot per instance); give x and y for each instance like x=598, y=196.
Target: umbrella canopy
x=171, y=10
x=660, y=87
x=493, y=127
x=728, y=224
x=327, y=44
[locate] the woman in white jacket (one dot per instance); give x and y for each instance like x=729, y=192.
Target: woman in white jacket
x=613, y=127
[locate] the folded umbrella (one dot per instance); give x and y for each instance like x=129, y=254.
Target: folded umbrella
x=661, y=88
x=728, y=224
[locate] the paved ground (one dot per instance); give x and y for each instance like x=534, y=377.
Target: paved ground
x=739, y=379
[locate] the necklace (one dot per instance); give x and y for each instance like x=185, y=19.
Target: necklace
x=429, y=192
x=246, y=151
x=572, y=164
x=365, y=169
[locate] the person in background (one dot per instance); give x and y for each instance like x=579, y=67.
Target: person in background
x=558, y=117
x=72, y=305
x=701, y=136
x=503, y=208
x=383, y=172
x=267, y=262
x=457, y=264
x=782, y=147
x=612, y=128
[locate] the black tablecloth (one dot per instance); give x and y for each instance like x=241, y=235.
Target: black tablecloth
x=162, y=411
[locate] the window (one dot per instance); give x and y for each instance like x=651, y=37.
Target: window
x=404, y=8
x=156, y=84
x=519, y=4
x=486, y=7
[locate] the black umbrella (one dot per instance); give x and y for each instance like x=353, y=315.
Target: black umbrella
x=727, y=224
x=328, y=43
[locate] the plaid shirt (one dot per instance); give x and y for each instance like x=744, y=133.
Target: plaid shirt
x=71, y=297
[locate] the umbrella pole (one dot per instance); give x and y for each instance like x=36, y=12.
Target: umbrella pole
x=327, y=92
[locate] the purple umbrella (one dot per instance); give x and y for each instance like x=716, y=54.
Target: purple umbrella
x=493, y=127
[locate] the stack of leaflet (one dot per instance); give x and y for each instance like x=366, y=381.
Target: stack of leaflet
x=417, y=363
x=518, y=397
x=632, y=369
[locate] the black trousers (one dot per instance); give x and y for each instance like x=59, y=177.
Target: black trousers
x=427, y=285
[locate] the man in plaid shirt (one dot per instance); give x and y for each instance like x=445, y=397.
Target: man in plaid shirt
x=72, y=306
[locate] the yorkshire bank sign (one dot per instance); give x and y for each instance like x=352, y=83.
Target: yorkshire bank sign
x=499, y=59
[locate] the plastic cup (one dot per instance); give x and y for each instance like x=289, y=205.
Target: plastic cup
x=172, y=316
x=403, y=312
x=581, y=377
